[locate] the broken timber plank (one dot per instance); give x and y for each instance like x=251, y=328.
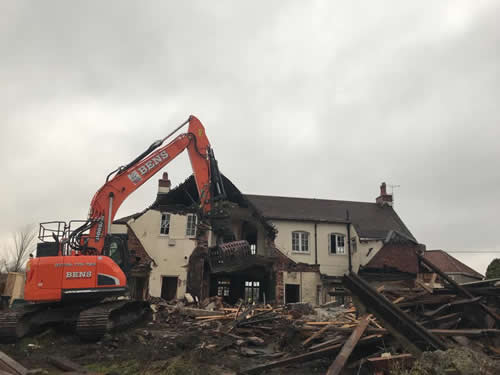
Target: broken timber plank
x=397, y=300
x=458, y=287
x=414, y=337
x=315, y=335
x=425, y=287
x=341, y=359
x=304, y=357
x=65, y=364
x=335, y=340
x=10, y=366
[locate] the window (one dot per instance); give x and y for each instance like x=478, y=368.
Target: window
x=336, y=243
x=165, y=223
x=253, y=249
x=252, y=289
x=223, y=288
x=300, y=242
x=115, y=254
x=191, y=225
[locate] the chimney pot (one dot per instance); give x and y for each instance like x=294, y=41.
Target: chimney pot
x=164, y=184
x=384, y=198
x=383, y=190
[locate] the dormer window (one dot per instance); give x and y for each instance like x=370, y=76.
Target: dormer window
x=300, y=242
x=336, y=244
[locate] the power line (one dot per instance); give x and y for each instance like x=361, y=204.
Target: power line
x=473, y=252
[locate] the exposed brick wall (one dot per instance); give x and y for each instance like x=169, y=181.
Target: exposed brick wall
x=134, y=244
x=285, y=264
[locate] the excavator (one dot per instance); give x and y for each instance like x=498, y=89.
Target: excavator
x=81, y=268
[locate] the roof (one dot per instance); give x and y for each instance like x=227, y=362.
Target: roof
x=396, y=256
x=370, y=219
x=449, y=264
x=184, y=198
x=126, y=219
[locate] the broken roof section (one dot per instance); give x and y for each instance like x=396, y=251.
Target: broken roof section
x=184, y=198
x=449, y=264
x=371, y=220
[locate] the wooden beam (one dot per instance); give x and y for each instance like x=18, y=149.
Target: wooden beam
x=458, y=287
x=65, y=364
x=304, y=357
x=10, y=366
x=315, y=335
x=341, y=359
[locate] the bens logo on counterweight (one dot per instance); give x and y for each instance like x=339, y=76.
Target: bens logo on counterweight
x=79, y=275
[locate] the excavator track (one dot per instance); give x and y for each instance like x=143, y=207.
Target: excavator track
x=93, y=323
x=14, y=324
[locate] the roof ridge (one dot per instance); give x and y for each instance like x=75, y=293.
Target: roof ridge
x=309, y=199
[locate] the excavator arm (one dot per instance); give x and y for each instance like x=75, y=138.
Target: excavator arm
x=129, y=178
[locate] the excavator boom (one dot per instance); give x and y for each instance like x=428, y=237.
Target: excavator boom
x=80, y=267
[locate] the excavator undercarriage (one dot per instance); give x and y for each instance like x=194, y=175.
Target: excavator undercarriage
x=90, y=321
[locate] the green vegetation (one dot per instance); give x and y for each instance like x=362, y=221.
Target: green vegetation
x=493, y=270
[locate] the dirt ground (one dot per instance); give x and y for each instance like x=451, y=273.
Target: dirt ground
x=171, y=345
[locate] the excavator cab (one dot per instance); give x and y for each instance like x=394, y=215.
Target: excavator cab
x=115, y=247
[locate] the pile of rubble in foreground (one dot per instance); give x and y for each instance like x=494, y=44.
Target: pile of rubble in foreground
x=392, y=331
x=402, y=331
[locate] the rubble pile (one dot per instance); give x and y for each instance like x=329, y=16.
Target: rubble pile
x=387, y=330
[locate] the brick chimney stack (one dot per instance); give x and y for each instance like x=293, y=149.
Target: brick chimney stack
x=164, y=184
x=384, y=198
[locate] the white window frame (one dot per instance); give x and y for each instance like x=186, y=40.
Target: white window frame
x=300, y=244
x=165, y=224
x=191, y=229
x=338, y=236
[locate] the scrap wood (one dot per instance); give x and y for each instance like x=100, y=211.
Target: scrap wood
x=228, y=316
x=315, y=335
x=451, y=304
x=375, y=323
x=423, y=286
x=335, y=340
x=463, y=291
x=238, y=311
x=305, y=357
x=65, y=364
x=341, y=359
x=386, y=362
x=299, y=358
x=399, y=299
x=10, y=366
x=414, y=337
x=255, y=321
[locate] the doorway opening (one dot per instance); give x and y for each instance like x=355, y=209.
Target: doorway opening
x=292, y=293
x=168, y=287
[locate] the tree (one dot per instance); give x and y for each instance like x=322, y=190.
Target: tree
x=23, y=244
x=493, y=270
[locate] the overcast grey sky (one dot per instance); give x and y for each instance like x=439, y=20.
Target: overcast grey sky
x=317, y=99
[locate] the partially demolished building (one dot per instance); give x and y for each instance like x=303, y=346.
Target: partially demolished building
x=298, y=248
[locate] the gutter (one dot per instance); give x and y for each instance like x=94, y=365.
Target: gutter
x=349, y=245
x=315, y=243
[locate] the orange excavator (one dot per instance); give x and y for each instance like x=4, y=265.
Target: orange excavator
x=79, y=265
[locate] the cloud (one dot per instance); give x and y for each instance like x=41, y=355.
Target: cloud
x=316, y=100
